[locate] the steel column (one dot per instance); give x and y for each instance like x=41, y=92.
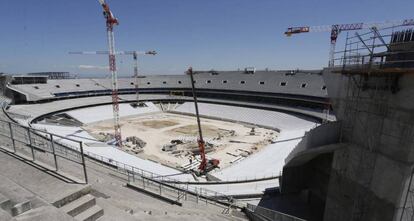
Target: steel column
x=12, y=137
x=54, y=152
x=83, y=162
x=30, y=143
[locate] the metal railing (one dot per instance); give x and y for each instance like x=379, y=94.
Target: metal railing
x=29, y=142
x=72, y=150
x=40, y=141
x=379, y=48
x=271, y=214
x=165, y=184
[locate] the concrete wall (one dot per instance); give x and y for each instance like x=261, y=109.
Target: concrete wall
x=322, y=135
x=370, y=174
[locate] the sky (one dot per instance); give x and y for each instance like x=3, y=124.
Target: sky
x=37, y=35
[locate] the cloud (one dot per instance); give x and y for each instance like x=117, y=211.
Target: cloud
x=93, y=67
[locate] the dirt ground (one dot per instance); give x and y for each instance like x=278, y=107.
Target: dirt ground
x=157, y=124
x=231, y=141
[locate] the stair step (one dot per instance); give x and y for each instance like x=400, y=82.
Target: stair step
x=91, y=214
x=66, y=199
x=21, y=208
x=5, y=203
x=79, y=205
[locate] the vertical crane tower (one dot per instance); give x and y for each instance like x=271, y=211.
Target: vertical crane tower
x=111, y=21
x=134, y=56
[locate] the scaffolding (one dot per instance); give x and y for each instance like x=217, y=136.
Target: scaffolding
x=372, y=62
x=379, y=51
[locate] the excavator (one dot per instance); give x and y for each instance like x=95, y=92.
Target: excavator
x=205, y=165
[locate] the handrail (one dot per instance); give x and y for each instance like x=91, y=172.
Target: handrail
x=39, y=130
x=271, y=214
x=128, y=170
x=62, y=150
x=125, y=167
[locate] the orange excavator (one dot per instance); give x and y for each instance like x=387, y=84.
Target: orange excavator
x=205, y=165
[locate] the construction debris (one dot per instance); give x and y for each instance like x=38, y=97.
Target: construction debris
x=136, y=141
x=105, y=137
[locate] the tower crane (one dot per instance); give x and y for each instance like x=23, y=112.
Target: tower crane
x=336, y=29
x=205, y=166
x=111, y=21
x=135, y=57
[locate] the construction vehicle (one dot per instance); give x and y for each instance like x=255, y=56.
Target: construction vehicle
x=205, y=165
x=338, y=28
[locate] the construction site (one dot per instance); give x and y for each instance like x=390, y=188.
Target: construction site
x=171, y=139
x=288, y=145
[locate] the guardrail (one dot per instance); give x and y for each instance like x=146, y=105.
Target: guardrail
x=271, y=214
x=165, y=183
x=377, y=48
x=19, y=137
x=58, y=146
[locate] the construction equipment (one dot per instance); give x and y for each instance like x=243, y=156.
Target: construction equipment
x=135, y=57
x=205, y=166
x=337, y=28
x=111, y=21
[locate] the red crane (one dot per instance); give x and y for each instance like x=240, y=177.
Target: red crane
x=337, y=28
x=205, y=165
x=111, y=21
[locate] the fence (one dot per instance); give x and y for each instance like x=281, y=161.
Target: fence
x=41, y=148
x=271, y=214
x=59, y=147
x=30, y=142
x=166, y=186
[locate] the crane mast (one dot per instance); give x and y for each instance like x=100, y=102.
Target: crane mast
x=111, y=21
x=201, y=144
x=205, y=165
x=134, y=56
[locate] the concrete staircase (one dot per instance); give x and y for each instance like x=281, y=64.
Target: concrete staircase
x=83, y=208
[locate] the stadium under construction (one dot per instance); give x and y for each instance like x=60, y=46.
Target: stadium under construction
x=329, y=144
